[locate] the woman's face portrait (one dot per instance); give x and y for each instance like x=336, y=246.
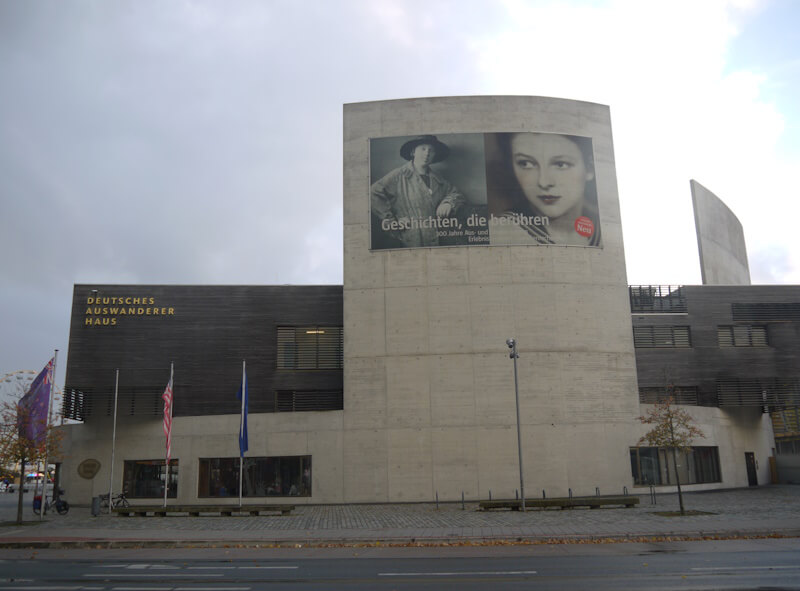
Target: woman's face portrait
x=424, y=155
x=551, y=172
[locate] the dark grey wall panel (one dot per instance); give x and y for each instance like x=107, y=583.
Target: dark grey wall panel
x=705, y=362
x=206, y=331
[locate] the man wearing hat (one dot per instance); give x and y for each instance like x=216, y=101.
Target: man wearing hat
x=408, y=201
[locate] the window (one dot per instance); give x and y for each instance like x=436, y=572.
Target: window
x=306, y=400
x=742, y=335
x=680, y=394
x=763, y=392
x=655, y=465
x=785, y=422
x=661, y=336
x=774, y=312
x=287, y=476
x=144, y=479
x=310, y=347
x=788, y=446
x=74, y=405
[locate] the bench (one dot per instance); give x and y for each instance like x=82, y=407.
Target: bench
x=196, y=510
x=561, y=502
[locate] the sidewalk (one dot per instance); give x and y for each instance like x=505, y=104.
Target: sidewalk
x=763, y=511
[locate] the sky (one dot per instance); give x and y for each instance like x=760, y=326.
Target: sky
x=200, y=142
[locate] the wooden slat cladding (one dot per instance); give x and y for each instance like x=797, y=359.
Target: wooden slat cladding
x=679, y=394
x=744, y=340
x=206, y=331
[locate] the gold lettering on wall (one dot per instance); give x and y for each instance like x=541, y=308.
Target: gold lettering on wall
x=104, y=310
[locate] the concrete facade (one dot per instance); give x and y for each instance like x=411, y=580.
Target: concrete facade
x=428, y=405
x=429, y=391
x=720, y=240
x=734, y=431
x=318, y=434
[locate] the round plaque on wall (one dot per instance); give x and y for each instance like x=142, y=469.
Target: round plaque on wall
x=88, y=468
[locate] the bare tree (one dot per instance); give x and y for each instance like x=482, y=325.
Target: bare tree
x=673, y=428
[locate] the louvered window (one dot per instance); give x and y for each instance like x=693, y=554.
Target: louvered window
x=680, y=394
x=767, y=312
x=765, y=392
x=307, y=400
x=742, y=335
x=310, y=347
x=661, y=336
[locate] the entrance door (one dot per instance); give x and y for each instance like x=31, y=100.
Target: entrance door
x=752, y=475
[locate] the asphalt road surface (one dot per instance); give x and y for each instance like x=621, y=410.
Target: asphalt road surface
x=752, y=564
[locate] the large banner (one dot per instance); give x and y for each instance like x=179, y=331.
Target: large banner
x=473, y=189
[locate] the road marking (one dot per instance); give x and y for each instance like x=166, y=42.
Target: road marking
x=211, y=588
x=240, y=567
x=51, y=588
x=161, y=576
x=745, y=567
x=177, y=588
x=268, y=567
x=137, y=566
x=461, y=574
x=18, y=587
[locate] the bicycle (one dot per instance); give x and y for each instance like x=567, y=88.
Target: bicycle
x=119, y=500
x=60, y=504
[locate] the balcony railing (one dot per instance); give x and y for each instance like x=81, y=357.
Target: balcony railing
x=657, y=299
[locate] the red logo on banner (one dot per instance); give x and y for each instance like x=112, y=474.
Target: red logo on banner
x=584, y=226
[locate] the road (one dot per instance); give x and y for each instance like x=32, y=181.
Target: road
x=747, y=564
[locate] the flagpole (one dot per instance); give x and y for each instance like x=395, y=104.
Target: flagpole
x=241, y=430
x=113, y=443
x=169, y=437
x=36, y=486
x=47, y=436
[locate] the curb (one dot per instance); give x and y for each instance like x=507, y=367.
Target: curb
x=104, y=543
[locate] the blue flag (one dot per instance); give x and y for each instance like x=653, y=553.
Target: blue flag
x=32, y=413
x=243, y=422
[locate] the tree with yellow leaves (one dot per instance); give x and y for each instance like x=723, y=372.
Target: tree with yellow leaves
x=673, y=428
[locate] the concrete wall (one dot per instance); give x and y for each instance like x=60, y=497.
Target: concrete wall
x=720, y=240
x=429, y=389
x=467, y=454
x=318, y=434
x=735, y=431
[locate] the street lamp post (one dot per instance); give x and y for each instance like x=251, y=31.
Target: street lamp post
x=512, y=344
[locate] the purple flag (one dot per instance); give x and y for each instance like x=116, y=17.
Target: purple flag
x=32, y=409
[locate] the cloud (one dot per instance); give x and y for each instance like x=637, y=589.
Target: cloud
x=201, y=142
x=679, y=111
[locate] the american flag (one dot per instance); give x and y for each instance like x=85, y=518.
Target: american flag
x=167, y=396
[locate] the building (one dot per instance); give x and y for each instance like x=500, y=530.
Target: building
x=397, y=386
x=730, y=352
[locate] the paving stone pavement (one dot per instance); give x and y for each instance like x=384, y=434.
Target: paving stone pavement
x=768, y=510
